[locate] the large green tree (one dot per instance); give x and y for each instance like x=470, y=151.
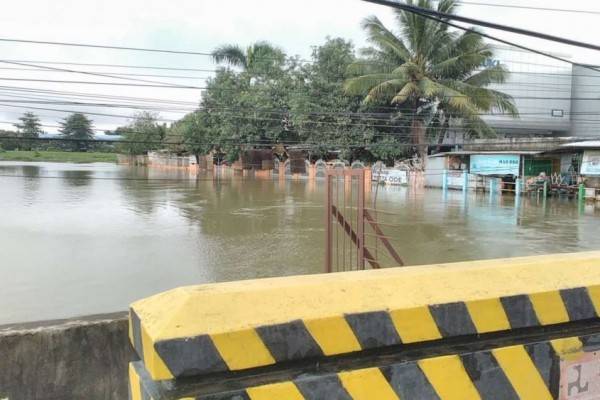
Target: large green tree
x=78, y=128
x=322, y=114
x=142, y=134
x=29, y=127
x=191, y=134
x=427, y=72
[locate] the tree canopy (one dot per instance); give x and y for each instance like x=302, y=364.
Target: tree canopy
x=142, y=134
x=411, y=86
x=78, y=128
x=30, y=126
x=433, y=75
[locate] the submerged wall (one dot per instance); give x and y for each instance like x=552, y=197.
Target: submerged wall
x=84, y=358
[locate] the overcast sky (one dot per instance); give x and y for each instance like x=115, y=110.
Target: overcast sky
x=201, y=25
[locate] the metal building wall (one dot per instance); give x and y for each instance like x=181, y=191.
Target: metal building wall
x=585, y=106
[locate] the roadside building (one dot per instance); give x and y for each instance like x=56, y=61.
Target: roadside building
x=554, y=98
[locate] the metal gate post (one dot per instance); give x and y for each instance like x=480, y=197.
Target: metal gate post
x=328, y=227
x=361, y=219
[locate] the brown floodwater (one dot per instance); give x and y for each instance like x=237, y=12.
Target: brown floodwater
x=80, y=239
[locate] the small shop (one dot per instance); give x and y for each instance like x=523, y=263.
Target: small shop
x=485, y=170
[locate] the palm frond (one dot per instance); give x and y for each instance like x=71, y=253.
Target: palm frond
x=384, y=39
x=374, y=86
x=409, y=89
x=230, y=54
x=487, y=76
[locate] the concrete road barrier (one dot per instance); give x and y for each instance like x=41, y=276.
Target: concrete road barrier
x=465, y=330
x=79, y=358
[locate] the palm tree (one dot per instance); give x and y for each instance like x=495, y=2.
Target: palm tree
x=431, y=73
x=260, y=58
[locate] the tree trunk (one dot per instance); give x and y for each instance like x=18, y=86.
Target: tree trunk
x=418, y=137
x=442, y=134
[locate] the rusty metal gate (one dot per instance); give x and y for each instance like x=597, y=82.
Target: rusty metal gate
x=354, y=236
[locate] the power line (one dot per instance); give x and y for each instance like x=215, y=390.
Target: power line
x=97, y=46
x=83, y=94
x=170, y=86
x=86, y=73
x=453, y=17
x=113, y=73
x=256, y=142
x=485, y=35
x=561, y=10
x=115, y=65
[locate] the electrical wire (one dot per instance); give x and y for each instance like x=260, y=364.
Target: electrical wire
x=521, y=7
x=453, y=17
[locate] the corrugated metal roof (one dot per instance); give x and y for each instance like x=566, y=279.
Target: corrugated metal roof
x=588, y=144
x=469, y=153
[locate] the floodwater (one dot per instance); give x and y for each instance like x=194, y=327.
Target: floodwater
x=92, y=238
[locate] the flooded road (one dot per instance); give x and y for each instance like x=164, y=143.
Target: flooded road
x=86, y=239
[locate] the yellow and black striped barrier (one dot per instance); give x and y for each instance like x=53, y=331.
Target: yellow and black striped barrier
x=496, y=329
x=528, y=371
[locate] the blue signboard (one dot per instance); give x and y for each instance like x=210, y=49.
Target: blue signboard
x=495, y=164
x=591, y=163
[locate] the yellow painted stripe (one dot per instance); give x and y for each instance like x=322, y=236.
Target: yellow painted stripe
x=367, y=384
x=154, y=364
x=568, y=348
x=549, y=307
x=522, y=373
x=488, y=315
x=130, y=330
x=134, y=384
x=594, y=292
x=283, y=391
x=333, y=335
x=415, y=325
x=242, y=349
x=448, y=377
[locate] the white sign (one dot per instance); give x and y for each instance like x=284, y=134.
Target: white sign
x=591, y=163
x=580, y=377
x=391, y=176
x=495, y=164
x=456, y=179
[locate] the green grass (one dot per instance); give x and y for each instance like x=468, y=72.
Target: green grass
x=58, y=156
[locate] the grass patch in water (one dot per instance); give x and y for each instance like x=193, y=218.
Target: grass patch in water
x=58, y=156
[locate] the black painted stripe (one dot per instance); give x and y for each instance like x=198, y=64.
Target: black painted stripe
x=453, y=319
x=578, y=303
x=144, y=380
x=373, y=329
x=519, y=311
x=590, y=343
x=190, y=356
x=409, y=382
x=489, y=379
x=290, y=341
x=136, y=329
x=145, y=395
x=238, y=395
x=324, y=388
x=547, y=363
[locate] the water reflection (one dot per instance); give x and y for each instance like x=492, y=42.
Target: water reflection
x=77, y=178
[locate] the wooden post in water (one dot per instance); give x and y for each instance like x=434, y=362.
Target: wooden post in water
x=445, y=180
x=581, y=199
